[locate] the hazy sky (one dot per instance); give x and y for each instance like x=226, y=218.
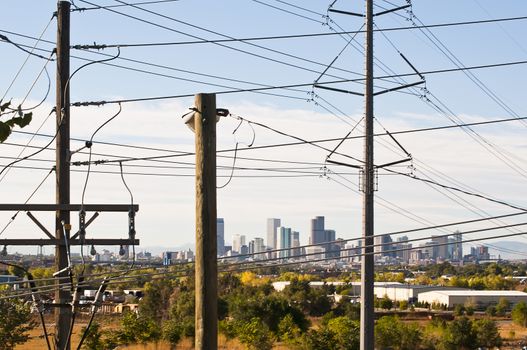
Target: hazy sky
x=286, y=182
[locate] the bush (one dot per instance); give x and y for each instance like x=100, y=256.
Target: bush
x=138, y=329
x=172, y=331
x=340, y=333
x=491, y=311
x=502, y=307
x=386, y=303
x=459, y=310
x=256, y=335
x=391, y=333
x=519, y=314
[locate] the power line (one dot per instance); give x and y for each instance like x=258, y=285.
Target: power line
x=458, y=190
x=438, y=71
x=298, y=142
x=27, y=200
x=220, y=44
x=298, y=36
x=226, y=267
x=464, y=222
x=154, y=2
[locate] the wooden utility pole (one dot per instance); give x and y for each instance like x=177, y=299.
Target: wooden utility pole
x=206, y=319
x=367, y=314
x=62, y=219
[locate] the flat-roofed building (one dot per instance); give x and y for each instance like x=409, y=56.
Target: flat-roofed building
x=480, y=298
x=409, y=292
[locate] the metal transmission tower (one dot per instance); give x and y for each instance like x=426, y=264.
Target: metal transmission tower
x=368, y=169
x=62, y=240
x=367, y=318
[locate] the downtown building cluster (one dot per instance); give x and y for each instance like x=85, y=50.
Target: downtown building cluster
x=282, y=238
x=283, y=242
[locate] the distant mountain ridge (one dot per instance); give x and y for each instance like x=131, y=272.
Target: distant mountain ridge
x=510, y=250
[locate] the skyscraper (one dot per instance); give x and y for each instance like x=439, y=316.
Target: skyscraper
x=284, y=241
x=317, y=230
x=295, y=243
x=238, y=241
x=272, y=225
x=259, y=247
x=220, y=232
x=457, y=254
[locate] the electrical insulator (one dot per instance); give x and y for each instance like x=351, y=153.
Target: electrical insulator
x=82, y=225
x=131, y=223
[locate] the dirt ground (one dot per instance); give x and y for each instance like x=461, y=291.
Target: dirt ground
x=514, y=337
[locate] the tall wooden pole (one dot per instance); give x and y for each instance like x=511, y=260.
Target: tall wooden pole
x=62, y=110
x=367, y=313
x=206, y=321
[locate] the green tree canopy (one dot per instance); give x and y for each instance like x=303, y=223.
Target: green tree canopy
x=519, y=314
x=15, y=323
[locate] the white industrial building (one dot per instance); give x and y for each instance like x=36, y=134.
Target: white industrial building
x=480, y=298
x=408, y=292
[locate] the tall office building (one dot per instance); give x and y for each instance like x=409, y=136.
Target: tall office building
x=441, y=243
x=272, y=225
x=259, y=247
x=457, y=253
x=284, y=241
x=332, y=249
x=383, y=246
x=318, y=232
x=238, y=241
x=220, y=232
x=403, y=249
x=295, y=243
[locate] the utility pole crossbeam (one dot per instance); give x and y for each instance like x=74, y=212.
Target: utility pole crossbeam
x=367, y=311
x=71, y=242
x=206, y=318
x=62, y=219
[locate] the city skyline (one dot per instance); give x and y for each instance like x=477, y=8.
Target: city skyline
x=166, y=197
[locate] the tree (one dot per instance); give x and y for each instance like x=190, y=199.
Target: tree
x=15, y=322
x=155, y=303
x=255, y=334
x=182, y=305
x=502, y=307
x=319, y=339
x=491, y=310
x=137, y=329
x=386, y=303
x=172, y=331
x=387, y=332
x=411, y=336
x=288, y=331
x=346, y=332
x=392, y=333
x=487, y=333
x=93, y=339
x=459, y=335
x=19, y=118
x=519, y=314
x=459, y=310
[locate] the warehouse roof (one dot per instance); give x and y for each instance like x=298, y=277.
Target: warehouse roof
x=469, y=292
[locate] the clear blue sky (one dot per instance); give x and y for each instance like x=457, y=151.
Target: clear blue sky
x=166, y=215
